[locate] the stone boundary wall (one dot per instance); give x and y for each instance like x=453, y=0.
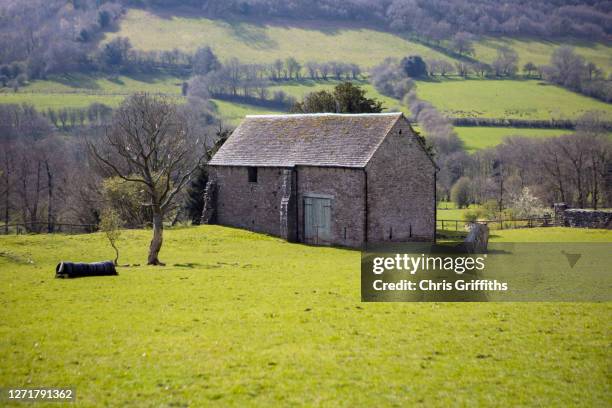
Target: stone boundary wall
x=582, y=218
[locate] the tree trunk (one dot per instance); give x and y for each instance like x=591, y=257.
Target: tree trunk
x=50, y=215
x=156, y=242
x=7, y=199
x=116, y=261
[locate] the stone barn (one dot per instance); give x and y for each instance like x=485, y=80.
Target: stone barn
x=325, y=179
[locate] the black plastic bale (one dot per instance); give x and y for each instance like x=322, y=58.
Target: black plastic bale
x=78, y=270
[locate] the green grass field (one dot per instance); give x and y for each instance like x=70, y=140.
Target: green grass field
x=476, y=138
x=44, y=101
x=78, y=90
x=242, y=319
x=539, y=51
x=263, y=42
x=527, y=99
x=447, y=210
x=107, y=85
x=233, y=113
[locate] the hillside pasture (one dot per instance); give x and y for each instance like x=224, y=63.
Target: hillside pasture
x=242, y=319
x=476, y=138
x=232, y=113
x=264, y=41
x=518, y=99
x=80, y=90
x=107, y=84
x=44, y=101
x=539, y=51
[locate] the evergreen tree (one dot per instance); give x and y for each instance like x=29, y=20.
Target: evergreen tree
x=194, y=201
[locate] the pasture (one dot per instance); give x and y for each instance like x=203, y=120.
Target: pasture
x=518, y=99
x=232, y=112
x=476, y=138
x=238, y=318
x=44, y=101
x=264, y=41
x=539, y=51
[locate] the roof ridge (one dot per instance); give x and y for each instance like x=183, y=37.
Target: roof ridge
x=293, y=115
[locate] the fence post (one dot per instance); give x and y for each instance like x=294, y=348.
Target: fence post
x=456, y=226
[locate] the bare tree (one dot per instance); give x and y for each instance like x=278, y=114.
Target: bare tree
x=312, y=68
x=506, y=62
x=529, y=68
x=462, y=43
x=148, y=143
x=6, y=173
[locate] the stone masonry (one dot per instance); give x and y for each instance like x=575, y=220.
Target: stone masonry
x=369, y=174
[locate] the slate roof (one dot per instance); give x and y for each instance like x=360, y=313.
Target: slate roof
x=321, y=139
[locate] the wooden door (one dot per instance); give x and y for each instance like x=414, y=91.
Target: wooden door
x=317, y=220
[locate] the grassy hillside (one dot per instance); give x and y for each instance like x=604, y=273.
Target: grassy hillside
x=232, y=112
x=255, y=41
x=263, y=42
x=528, y=99
x=44, y=101
x=79, y=90
x=539, y=51
x=476, y=138
x=107, y=85
x=238, y=318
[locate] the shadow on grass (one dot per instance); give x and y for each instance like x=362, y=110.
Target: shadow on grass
x=80, y=81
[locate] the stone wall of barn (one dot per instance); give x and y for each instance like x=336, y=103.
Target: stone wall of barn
x=346, y=187
x=243, y=204
x=401, y=190
x=259, y=206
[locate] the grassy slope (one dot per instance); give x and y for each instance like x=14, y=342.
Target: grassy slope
x=107, y=85
x=447, y=210
x=233, y=113
x=528, y=99
x=43, y=101
x=539, y=51
x=263, y=43
x=238, y=318
x=476, y=138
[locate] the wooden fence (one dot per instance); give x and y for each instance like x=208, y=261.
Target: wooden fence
x=462, y=225
x=43, y=227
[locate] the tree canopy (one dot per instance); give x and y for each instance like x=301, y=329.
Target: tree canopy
x=345, y=98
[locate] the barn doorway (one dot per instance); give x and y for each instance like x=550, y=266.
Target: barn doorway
x=317, y=220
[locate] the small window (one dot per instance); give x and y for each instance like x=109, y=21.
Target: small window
x=252, y=174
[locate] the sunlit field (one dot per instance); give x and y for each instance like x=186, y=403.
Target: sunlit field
x=237, y=318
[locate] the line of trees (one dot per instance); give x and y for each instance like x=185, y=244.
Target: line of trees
x=47, y=177
x=572, y=71
x=566, y=68
x=96, y=114
x=570, y=168
x=251, y=82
